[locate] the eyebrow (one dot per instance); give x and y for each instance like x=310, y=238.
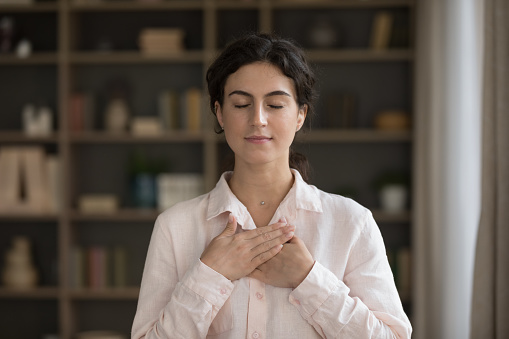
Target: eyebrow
x=273, y=93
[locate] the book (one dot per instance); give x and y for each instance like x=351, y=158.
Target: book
x=54, y=172
x=193, y=97
x=176, y=187
x=161, y=41
x=169, y=111
x=119, y=266
x=29, y=180
x=77, y=270
x=98, y=267
x=10, y=191
x=404, y=281
x=81, y=112
x=381, y=30
x=36, y=176
x=401, y=264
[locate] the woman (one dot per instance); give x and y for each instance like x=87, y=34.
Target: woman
x=264, y=254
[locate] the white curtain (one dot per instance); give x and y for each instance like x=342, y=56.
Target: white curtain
x=447, y=166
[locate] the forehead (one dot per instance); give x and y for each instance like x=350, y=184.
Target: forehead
x=259, y=78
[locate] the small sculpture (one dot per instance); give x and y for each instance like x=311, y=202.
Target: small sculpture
x=19, y=271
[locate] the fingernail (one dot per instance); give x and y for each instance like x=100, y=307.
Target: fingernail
x=283, y=220
x=289, y=235
x=230, y=218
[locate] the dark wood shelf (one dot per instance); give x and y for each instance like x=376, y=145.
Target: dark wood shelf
x=119, y=6
x=399, y=217
x=124, y=293
x=20, y=137
x=29, y=217
x=94, y=137
x=359, y=55
x=122, y=215
x=353, y=135
x=135, y=57
x=29, y=293
x=37, y=58
x=341, y=4
x=30, y=8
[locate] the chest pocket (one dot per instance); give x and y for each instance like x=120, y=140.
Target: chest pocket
x=223, y=321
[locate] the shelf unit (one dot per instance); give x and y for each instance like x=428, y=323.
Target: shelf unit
x=64, y=61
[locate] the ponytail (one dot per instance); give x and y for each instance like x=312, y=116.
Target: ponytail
x=299, y=162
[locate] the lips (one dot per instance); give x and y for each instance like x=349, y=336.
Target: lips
x=258, y=139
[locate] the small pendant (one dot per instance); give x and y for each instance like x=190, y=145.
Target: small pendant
x=262, y=203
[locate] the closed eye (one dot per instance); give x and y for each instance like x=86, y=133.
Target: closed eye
x=275, y=106
x=241, y=106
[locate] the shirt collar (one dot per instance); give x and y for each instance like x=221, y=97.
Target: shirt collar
x=301, y=196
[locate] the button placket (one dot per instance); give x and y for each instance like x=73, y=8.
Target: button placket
x=257, y=313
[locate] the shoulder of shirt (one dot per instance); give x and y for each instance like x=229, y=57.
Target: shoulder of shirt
x=338, y=203
x=186, y=208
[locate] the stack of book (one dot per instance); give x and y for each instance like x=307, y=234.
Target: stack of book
x=29, y=180
x=161, y=41
x=181, y=110
x=98, y=267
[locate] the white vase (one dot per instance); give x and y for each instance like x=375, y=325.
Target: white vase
x=117, y=116
x=393, y=198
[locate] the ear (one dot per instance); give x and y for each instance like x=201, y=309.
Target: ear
x=301, y=118
x=219, y=113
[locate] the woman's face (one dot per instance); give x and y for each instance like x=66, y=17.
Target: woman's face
x=260, y=114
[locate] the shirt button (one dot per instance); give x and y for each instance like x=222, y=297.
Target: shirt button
x=223, y=291
x=259, y=295
x=256, y=335
x=297, y=301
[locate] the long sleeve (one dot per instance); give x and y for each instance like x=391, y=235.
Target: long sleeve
x=169, y=308
x=365, y=304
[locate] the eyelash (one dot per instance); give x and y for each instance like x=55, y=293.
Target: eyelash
x=271, y=106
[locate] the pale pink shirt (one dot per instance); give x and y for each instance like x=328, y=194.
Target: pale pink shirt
x=349, y=293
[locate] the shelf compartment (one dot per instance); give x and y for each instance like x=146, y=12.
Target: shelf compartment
x=135, y=57
x=126, y=138
x=29, y=293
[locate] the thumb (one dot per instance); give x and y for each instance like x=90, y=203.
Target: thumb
x=231, y=227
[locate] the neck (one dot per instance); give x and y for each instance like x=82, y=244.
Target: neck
x=264, y=186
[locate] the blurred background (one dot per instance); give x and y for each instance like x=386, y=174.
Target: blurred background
x=105, y=122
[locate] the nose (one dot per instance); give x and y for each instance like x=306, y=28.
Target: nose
x=258, y=116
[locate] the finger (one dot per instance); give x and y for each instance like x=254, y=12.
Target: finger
x=231, y=227
x=266, y=255
x=285, y=232
x=262, y=230
x=267, y=245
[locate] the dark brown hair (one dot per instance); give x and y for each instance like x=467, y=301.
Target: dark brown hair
x=282, y=53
